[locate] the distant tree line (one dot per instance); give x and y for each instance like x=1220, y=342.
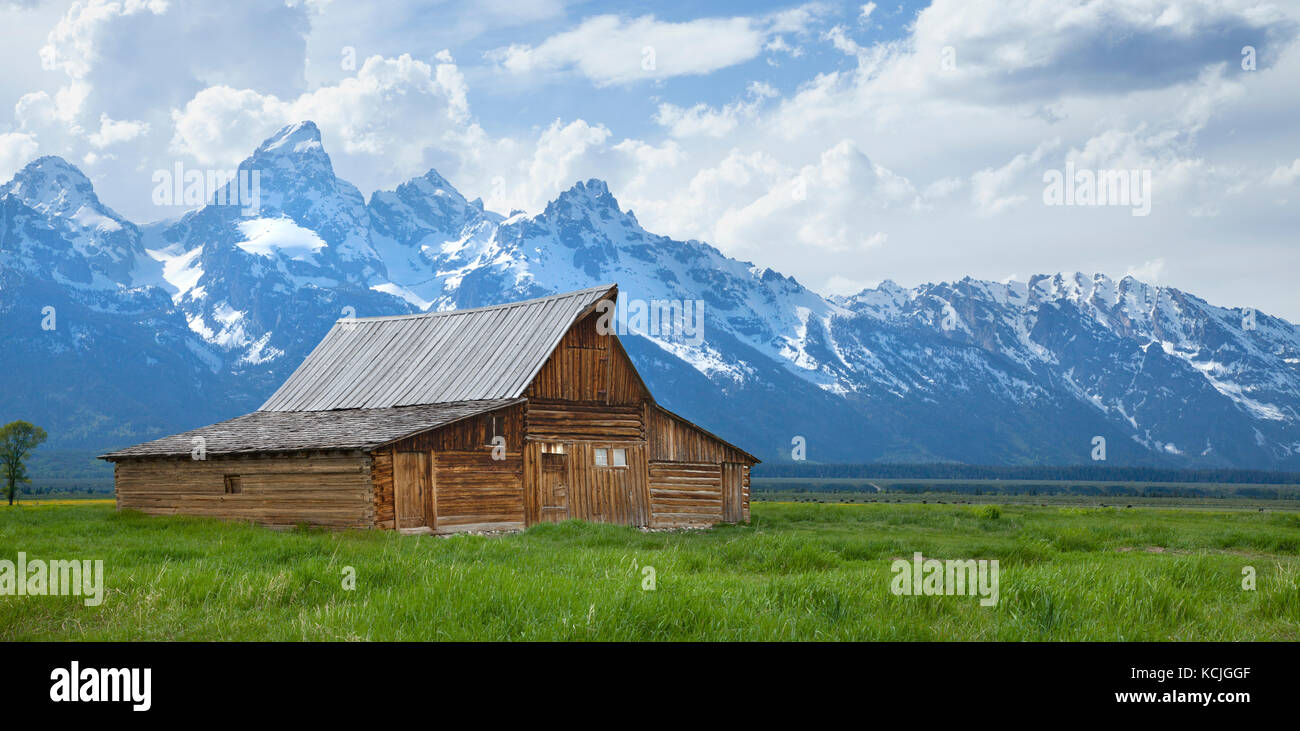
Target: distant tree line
x=1081, y=473
x=1187, y=490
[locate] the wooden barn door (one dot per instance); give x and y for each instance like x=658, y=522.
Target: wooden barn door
x=554, y=497
x=732, y=492
x=412, y=489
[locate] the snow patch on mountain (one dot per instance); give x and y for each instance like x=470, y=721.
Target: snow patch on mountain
x=269, y=237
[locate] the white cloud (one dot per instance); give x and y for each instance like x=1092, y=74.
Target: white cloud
x=609, y=49
x=16, y=150
x=1285, y=174
x=394, y=118
x=112, y=131
x=824, y=206
x=221, y=125
x=73, y=46
x=1149, y=271
x=1149, y=84
x=554, y=162
x=990, y=186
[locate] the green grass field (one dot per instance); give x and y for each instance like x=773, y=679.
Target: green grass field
x=799, y=572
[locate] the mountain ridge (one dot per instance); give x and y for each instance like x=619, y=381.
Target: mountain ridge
x=967, y=371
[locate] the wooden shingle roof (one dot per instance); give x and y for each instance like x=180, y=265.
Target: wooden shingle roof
x=460, y=355
x=290, y=431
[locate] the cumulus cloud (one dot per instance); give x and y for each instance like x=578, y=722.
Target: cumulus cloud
x=822, y=206
x=1028, y=49
x=553, y=161
x=112, y=131
x=609, y=49
x=190, y=45
x=812, y=176
x=16, y=150
x=392, y=118
x=703, y=120
x=73, y=46
x=990, y=186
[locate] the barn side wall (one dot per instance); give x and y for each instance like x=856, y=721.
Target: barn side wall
x=381, y=477
x=695, y=479
x=610, y=494
x=329, y=489
x=471, y=490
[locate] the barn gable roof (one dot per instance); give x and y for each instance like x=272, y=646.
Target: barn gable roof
x=459, y=355
x=291, y=431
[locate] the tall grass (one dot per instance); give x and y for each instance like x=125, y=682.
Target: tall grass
x=798, y=572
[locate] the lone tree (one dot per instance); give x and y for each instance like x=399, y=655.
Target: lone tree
x=17, y=440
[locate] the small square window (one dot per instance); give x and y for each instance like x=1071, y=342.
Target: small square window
x=602, y=457
x=232, y=485
x=620, y=457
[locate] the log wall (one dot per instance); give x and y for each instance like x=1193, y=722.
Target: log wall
x=330, y=489
x=685, y=494
x=381, y=476
x=475, y=492
x=556, y=421
x=744, y=494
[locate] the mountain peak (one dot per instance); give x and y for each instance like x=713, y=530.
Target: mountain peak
x=52, y=185
x=584, y=197
x=53, y=164
x=594, y=190
x=436, y=179
x=292, y=138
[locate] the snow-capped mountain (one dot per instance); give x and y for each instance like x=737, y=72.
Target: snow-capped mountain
x=183, y=321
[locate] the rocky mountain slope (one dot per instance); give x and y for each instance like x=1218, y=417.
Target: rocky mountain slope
x=181, y=322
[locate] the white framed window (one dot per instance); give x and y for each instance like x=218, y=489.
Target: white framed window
x=602, y=457
x=620, y=457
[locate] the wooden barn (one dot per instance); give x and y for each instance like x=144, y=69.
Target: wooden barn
x=488, y=419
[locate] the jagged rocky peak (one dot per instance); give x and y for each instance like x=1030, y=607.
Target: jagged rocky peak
x=433, y=181
x=430, y=186
x=299, y=137
x=425, y=210
x=53, y=186
x=585, y=196
x=295, y=149
x=885, y=298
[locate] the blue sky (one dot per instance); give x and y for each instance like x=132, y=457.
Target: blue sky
x=842, y=143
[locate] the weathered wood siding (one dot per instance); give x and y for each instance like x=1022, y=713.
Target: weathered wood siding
x=413, y=489
x=608, y=494
x=677, y=440
x=381, y=477
x=470, y=434
x=685, y=494
x=745, y=494
x=733, y=492
x=588, y=367
x=471, y=490
x=320, y=489
x=476, y=492
x=556, y=421
x=604, y=494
